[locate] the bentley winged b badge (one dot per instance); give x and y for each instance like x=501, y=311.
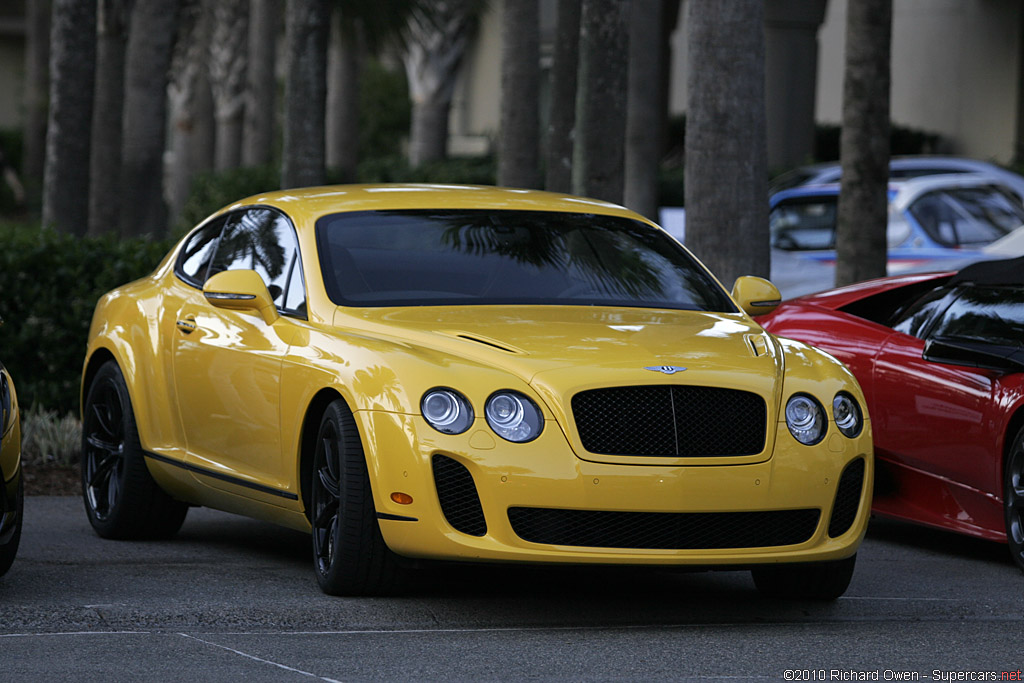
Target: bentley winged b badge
x=667, y=369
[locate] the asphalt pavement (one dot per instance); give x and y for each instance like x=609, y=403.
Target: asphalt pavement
x=231, y=599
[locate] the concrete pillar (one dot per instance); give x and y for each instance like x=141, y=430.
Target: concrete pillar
x=791, y=71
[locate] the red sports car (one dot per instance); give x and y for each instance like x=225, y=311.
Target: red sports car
x=940, y=358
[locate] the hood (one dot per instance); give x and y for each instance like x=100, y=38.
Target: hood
x=560, y=350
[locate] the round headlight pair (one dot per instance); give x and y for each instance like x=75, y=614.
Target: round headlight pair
x=511, y=415
x=806, y=419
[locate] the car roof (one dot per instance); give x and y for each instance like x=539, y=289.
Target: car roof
x=314, y=202
x=902, y=191
x=829, y=172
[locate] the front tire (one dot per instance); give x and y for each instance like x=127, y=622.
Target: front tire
x=811, y=581
x=1013, y=499
x=349, y=553
x=9, y=547
x=121, y=499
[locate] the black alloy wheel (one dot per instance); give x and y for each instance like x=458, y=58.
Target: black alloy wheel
x=349, y=553
x=103, y=450
x=121, y=498
x=1013, y=499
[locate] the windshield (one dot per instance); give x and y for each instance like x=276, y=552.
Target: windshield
x=460, y=257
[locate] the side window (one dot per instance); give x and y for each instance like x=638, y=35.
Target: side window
x=263, y=240
x=915, y=319
x=195, y=257
x=803, y=224
x=991, y=314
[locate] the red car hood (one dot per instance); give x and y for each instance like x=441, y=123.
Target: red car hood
x=833, y=299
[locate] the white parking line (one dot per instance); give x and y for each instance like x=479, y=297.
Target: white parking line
x=853, y=597
x=258, y=659
x=75, y=633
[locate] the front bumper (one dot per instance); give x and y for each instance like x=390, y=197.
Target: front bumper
x=539, y=502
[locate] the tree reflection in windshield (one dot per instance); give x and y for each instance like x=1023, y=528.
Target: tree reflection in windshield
x=500, y=257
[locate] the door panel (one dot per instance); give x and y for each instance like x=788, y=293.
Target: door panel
x=935, y=417
x=227, y=368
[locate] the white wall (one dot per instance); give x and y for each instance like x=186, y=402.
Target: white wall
x=954, y=71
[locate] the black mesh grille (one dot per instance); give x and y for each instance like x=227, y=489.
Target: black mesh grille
x=670, y=420
x=457, y=494
x=844, y=511
x=664, y=530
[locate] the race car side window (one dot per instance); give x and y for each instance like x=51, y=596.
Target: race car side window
x=917, y=318
x=195, y=257
x=994, y=315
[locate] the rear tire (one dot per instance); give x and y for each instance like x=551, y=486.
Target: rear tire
x=811, y=581
x=1013, y=499
x=349, y=553
x=121, y=499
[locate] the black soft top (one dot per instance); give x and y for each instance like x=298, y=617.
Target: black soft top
x=1005, y=272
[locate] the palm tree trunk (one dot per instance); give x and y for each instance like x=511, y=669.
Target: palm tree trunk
x=72, y=75
x=436, y=43
x=518, y=140
x=37, y=87
x=344, y=70
x=645, y=113
x=260, y=113
x=864, y=143
x=190, y=102
x=150, y=41
x=562, y=119
x=726, y=158
x=599, y=152
x=307, y=30
x=229, y=52
x=108, y=116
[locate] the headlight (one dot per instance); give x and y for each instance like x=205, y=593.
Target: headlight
x=806, y=419
x=513, y=416
x=447, y=411
x=847, y=414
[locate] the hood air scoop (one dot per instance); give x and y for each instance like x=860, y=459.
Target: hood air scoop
x=486, y=341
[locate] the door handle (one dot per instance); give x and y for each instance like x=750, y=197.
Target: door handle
x=187, y=326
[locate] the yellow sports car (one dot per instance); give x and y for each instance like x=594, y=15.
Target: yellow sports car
x=471, y=373
x=12, y=486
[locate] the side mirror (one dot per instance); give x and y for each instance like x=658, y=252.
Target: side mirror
x=755, y=295
x=241, y=290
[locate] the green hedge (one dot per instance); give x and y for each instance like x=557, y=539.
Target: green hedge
x=49, y=285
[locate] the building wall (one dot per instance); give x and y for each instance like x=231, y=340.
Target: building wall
x=476, y=114
x=955, y=71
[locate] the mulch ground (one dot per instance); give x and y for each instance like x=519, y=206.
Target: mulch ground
x=51, y=480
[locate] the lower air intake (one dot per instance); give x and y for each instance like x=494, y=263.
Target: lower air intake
x=458, y=497
x=664, y=530
x=844, y=511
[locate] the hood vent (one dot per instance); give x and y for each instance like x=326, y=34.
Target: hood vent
x=758, y=344
x=493, y=343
